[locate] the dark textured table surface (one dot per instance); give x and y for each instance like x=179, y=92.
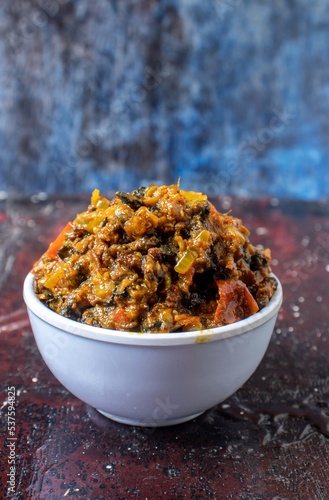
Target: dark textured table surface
x=268, y=441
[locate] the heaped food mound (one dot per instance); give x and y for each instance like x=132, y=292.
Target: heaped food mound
x=156, y=260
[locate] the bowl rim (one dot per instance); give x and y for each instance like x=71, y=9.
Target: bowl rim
x=71, y=326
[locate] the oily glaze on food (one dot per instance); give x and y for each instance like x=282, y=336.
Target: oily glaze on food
x=157, y=260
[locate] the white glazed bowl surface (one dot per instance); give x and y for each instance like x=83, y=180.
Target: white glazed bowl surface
x=150, y=379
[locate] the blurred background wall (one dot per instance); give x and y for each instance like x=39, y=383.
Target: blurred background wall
x=230, y=95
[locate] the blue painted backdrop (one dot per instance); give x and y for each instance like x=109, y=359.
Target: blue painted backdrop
x=230, y=95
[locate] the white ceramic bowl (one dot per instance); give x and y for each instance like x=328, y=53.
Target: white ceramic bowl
x=150, y=379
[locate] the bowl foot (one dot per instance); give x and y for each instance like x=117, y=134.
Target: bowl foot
x=149, y=422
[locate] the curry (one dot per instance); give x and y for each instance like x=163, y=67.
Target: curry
x=157, y=260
